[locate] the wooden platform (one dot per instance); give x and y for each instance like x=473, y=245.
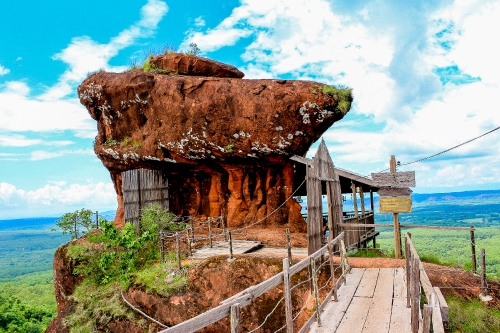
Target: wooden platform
x=222, y=248
x=373, y=300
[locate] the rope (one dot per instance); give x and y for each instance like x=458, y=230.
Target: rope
x=142, y=313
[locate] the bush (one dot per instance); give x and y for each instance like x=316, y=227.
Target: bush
x=156, y=214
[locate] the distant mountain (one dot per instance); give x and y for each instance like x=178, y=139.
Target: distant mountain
x=455, y=196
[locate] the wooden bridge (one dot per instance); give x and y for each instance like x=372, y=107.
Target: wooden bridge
x=358, y=299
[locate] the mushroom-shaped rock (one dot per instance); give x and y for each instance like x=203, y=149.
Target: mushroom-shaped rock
x=223, y=143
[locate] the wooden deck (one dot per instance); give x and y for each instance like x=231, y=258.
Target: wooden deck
x=222, y=248
x=373, y=300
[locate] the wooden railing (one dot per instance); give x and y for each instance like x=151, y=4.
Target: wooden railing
x=231, y=306
x=435, y=312
x=355, y=236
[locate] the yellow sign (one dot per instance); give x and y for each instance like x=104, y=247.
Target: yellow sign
x=395, y=204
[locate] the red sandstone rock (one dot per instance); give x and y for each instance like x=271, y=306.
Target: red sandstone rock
x=223, y=143
x=186, y=64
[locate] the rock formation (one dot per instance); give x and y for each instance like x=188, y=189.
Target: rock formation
x=223, y=142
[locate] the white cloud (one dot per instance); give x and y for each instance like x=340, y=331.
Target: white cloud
x=44, y=155
x=16, y=140
x=55, y=198
x=84, y=55
x=3, y=70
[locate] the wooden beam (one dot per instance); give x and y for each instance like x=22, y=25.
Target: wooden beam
x=352, y=176
x=300, y=159
x=314, y=210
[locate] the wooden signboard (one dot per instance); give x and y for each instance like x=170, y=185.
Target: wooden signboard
x=394, y=191
x=394, y=179
x=395, y=205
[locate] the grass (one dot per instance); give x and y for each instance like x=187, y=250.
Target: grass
x=342, y=95
x=472, y=316
x=162, y=279
x=367, y=253
x=96, y=306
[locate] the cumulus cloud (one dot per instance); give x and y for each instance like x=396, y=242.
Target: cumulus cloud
x=55, y=198
x=425, y=73
x=85, y=55
x=4, y=70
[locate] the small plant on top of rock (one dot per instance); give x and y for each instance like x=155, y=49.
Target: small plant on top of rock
x=193, y=49
x=342, y=95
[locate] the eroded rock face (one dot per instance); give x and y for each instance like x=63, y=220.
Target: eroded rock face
x=224, y=143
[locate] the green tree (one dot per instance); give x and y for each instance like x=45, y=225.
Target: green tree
x=77, y=223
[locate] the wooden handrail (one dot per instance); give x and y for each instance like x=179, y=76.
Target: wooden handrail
x=416, y=277
x=245, y=297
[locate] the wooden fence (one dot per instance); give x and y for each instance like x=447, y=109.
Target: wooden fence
x=231, y=306
x=354, y=237
x=141, y=187
x=435, y=312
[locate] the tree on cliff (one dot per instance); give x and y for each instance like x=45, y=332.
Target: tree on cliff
x=79, y=222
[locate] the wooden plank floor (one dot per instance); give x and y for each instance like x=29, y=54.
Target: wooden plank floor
x=373, y=300
x=222, y=248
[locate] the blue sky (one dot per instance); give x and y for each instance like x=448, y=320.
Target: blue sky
x=425, y=77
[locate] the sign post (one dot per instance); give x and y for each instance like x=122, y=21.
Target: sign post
x=395, y=197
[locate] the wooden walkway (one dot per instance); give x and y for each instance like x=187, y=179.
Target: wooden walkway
x=373, y=300
x=222, y=248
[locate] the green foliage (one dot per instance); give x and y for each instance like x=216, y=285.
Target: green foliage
x=367, y=253
x=163, y=279
x=452, y=248
x=114, y=254
x=27, y=304
x=342, y=95
x=96, y=306
x=155, y=214
x=110, y=142
x=18, y=316
x=229, y=148
x=472, y=316
x=127, y=142
x=76, y=224
x=147, y=66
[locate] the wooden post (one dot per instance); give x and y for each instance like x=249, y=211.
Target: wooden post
x=408, y=258
x=332, y=271
x=473, y=249
x=188, y=242
x=315, y=290
x=209, y=232
x=484, y=285
x=415, y=294
x=76, y=231
x=427, y=316
x=289, y=246
x=288, y=296
x=314, y=210
x=162, y=239
x=97, y=219
x=362, y=199
x=230, y=244
x=223, y=228
x=178, y=249
x=355, y=200
x=397, y=231
x=235, y=318
x=343, y=259
x=192, y=227
x=371, y=202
